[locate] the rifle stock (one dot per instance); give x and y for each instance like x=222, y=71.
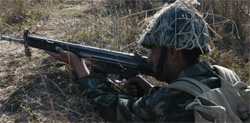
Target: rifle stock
x=108, y=61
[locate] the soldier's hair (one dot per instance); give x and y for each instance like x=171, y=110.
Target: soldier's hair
x=191, y=56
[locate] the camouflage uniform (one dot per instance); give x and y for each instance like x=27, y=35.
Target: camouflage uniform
x=175, y=26
x=164, y=105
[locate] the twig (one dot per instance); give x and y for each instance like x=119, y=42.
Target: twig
x=68, y=109
x=212, y=8
x=59, y=88
x=146, y=11
x=51, y=101
x=214, y=31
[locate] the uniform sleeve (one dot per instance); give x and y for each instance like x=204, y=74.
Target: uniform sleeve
x=164, y=105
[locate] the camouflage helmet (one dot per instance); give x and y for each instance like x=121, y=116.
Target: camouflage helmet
x=177, y=26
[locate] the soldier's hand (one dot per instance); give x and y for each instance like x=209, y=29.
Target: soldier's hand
x=64, y=56
x=68, y=57
x=137, y=86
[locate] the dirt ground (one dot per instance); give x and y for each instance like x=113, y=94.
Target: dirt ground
x=35, y=89
x=41, y=89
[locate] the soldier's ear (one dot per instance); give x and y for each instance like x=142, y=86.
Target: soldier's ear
x=172, y=54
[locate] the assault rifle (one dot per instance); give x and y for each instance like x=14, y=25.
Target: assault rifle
x=109, y=62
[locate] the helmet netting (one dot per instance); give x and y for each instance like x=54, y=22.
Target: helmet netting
x=177, y=26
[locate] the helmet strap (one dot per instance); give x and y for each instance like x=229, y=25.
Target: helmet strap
x=161, y=61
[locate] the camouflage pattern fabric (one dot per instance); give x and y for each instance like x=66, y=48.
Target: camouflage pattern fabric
x=177, y=26
x=164, y=105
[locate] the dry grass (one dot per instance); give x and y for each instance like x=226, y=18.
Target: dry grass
x=40, y=89
x=230, y=20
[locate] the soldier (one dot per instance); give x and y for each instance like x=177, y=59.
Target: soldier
x=177, y=35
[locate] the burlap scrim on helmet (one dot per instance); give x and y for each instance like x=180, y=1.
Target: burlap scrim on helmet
x=177, y=26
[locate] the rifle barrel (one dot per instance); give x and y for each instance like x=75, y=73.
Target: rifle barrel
x=11, y=39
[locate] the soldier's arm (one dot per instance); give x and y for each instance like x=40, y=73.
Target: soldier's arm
x=161, y=105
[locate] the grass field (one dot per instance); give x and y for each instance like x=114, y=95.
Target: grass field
x=40, y=89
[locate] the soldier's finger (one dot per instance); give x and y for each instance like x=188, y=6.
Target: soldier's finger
x=53, y=54
x=60, y=50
